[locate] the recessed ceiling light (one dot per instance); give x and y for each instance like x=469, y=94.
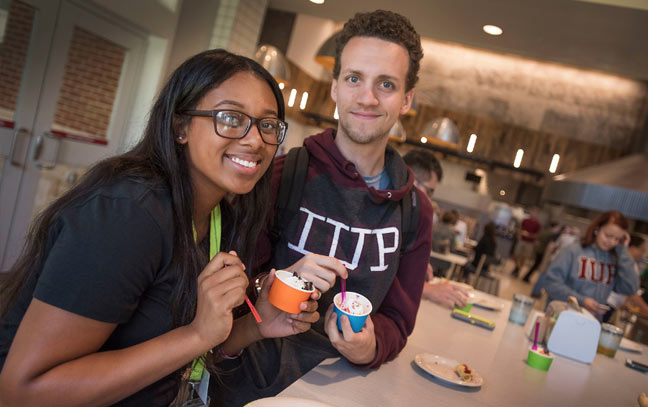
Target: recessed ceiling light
x=317, y=1
x=491, y=29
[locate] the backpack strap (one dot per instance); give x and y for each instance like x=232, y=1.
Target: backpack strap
x=291, y=187
x=411, y=214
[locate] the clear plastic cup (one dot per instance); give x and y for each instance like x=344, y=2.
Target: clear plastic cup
x=609, y=340
x=520, y=309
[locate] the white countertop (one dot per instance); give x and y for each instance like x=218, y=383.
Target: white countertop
x=498, y=356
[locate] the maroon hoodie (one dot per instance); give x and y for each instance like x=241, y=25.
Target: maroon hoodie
x=340, y=216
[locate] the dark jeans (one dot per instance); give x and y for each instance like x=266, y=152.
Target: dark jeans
x=536, y=263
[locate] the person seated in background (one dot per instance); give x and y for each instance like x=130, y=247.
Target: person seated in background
x=427, y=174
x=460, y=228
x=636, y=249
x=487, y=246
x=596, y=266
x=443, y=238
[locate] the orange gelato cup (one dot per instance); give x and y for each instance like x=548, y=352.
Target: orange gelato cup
x=288, y=291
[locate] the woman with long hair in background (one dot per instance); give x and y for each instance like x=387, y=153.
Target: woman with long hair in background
x=597, y=265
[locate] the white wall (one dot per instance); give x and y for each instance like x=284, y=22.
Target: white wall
x=158, y=18
x=147, y=89
x=308, y=34
x=297, y=132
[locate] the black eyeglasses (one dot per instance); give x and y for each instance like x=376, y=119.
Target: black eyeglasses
x=233, y=124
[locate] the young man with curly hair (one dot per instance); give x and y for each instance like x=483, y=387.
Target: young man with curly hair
x=349, y=224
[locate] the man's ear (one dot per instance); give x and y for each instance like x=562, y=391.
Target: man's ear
x=334, y=90
x=407, y=103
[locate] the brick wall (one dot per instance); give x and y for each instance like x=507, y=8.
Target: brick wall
x=13, y=53
x=89, y=85
x=247, y=27
x=238, y=25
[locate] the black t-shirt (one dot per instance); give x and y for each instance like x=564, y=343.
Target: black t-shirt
x=108, y=258
x=487, y=245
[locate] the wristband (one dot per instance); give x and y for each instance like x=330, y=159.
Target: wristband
x=258, y=282
x=224, y=355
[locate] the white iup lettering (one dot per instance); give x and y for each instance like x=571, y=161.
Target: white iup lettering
x=361, y=232
x=382, y=250
x=336, y=234
x=358, y=250
x=304, y=236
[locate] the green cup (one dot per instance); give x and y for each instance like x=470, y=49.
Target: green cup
x=538, y=360
x=467, y=308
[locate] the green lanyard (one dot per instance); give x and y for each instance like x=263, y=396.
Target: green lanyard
x=198, y=365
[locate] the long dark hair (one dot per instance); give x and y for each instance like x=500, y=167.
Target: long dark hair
x=158, y=160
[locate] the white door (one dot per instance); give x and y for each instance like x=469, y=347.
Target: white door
x=71, y=111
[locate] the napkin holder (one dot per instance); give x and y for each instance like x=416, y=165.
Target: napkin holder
x=575, y=333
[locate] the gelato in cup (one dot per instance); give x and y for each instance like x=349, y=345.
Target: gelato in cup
x=356, y=306
x=289, y=290
x=539, y=359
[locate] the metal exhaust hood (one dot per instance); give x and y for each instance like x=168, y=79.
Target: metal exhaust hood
x=621, y=185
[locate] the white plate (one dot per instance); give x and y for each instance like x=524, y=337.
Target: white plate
x=629, y=346
x=444, y=369
x=286, y=402
x=488, y=304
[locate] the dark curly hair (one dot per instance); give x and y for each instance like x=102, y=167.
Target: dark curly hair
x=387, y=26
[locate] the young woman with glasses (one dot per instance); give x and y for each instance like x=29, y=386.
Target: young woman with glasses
x=115, y=293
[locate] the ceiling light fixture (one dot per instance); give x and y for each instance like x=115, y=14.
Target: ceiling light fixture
x=304, y=99
x=325, y=55
x=291, y=98
x=471, y=143
x=554, y=163
x=518, y=158
x=492, y=29
x=423, y=139
x=442, y=131
x=317, y=1
x=273, y=60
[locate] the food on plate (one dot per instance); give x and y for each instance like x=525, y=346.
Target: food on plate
x=464, y=372
x=643, y=400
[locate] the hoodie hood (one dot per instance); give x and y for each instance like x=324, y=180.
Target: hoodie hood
x=325, y=153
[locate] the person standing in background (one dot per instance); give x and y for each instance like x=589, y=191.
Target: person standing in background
x=427, y=174
x=547, y=235
x=524, y=248
x=460, y=228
